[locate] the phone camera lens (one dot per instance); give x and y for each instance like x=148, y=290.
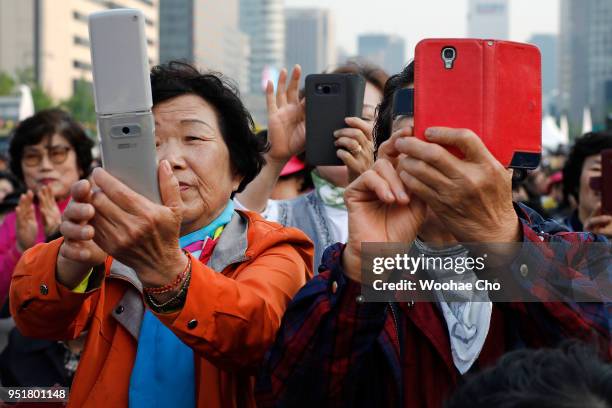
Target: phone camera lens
x=449, y=53
x=125, y=130
x=326, y=89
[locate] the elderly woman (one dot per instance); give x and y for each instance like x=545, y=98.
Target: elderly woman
x=413, y=354
x=49, y=152
x=180, y=300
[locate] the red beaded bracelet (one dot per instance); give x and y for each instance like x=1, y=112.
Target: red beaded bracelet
x=175, y=284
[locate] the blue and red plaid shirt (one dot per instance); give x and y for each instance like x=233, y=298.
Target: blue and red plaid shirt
x=332, y=350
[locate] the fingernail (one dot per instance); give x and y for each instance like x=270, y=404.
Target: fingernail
x=431, y=132
x=403, y=196
x=84, y=234
x=390, y=196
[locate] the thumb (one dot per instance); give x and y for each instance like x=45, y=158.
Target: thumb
x=169, y=186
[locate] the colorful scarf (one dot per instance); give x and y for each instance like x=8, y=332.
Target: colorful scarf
x=331, y=195
x=164, y=369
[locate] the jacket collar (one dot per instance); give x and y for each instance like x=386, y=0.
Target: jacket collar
x=232, y=245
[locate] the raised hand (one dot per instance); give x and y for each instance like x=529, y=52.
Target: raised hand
x=26, y=224
x=355, y=146
x=471, y=196
x=286, y=118
x=78, y=253
x=138, y=232
x=599, y=223
x=51, y=215
x=379, y=210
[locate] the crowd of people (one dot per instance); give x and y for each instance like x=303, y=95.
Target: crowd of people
x=243, y=287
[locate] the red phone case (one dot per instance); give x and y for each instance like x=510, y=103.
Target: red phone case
x=494, y=88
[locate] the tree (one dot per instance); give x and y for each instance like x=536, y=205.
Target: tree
x=41, y=99
x=81, y=103
x=7, y=84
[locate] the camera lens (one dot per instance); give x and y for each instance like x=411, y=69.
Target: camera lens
x=326, y=89
x=125, y=130
x=449, y=53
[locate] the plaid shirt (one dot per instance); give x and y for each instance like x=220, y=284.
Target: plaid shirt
x=332, y=350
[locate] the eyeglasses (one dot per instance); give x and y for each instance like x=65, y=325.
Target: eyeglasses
x=56, y=154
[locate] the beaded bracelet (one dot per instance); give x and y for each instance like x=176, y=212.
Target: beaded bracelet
x=158, y=290
x=173, y=304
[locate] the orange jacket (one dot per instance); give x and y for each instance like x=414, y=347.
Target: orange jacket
x=229, y=318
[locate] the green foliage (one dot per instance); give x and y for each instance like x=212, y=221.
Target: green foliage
x=7, y=84
x=81, y=103
x=41, y=99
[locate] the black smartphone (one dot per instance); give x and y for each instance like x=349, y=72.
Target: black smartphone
x=330, y=98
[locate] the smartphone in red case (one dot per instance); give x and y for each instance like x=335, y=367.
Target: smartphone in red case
x=493, y=88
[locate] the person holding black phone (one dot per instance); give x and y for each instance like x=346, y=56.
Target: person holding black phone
x=322, y=213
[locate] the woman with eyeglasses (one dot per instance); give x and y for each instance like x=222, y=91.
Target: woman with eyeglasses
x=48, y=153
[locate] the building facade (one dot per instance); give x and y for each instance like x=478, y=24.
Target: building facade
x=585, y=60
x=489, y=19
x=53, y=39
x=205, y=32
x=547, y=44
x=263, y=21
x=176, y=33
x=387, y=51
x=310, y=40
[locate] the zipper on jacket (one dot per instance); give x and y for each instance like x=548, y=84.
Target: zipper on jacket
x=399, y=344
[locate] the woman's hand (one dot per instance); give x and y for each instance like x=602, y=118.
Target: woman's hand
x=286, y=118
x=355, y=146
x=26, y=225
x=78, y=253
x=387, y=149
x=379, y=210
x=51, y=215
x=138, y=232
x=599, y=223
x=286, y=135
x=471, y=196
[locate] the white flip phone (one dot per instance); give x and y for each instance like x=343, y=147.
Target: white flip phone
x=122, y=91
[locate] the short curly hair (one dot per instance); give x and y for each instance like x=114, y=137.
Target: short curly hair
x=588, y=145
x=384, y=121
x=44, y=124
x=246, y=149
